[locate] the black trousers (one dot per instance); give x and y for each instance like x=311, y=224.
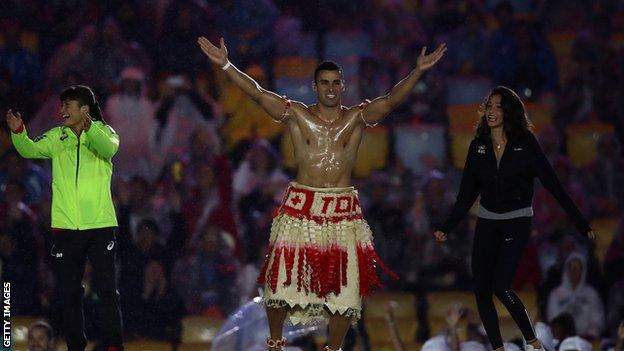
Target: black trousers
x=498, y=247
x=70, y=250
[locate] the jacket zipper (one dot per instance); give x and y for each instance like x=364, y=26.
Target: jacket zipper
x=77, y=167
x=497, y=164
x=77, y=161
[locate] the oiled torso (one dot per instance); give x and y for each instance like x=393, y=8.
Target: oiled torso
x=325, y=151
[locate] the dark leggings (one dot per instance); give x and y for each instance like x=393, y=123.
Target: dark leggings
x=498, y=247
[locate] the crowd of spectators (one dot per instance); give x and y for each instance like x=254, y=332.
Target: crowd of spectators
x=201, y=168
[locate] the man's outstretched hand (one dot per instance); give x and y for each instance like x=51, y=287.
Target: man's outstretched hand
x=424, y=62
x=218, y=55
x=14, y=120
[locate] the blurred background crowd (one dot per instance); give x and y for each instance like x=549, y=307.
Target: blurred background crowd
x=201, y=168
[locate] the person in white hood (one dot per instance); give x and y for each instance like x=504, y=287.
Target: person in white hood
x=576, y=297
x=436, y=343
x=440, y=343
x=132, y=114
x=575, y=343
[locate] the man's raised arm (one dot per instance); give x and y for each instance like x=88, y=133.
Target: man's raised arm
x=274, y=104
x=380, y=107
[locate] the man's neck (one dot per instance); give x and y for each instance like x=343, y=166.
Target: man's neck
x=329, y=113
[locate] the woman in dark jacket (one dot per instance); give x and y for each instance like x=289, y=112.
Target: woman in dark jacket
x=503, y=159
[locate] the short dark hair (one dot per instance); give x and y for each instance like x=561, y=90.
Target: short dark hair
x=326, y=66
x=85, y=96
x=565, y=321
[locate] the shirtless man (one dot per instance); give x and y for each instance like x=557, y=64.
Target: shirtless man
x=320, y=259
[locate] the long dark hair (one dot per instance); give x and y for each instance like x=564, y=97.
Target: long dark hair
x=85, y=96
x=515, y=120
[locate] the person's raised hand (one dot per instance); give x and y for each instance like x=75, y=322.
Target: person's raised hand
x=591, y=234
x=218, y=55
x=440, y=236
x=14, y=120
x=391, y=306
x=424, y=61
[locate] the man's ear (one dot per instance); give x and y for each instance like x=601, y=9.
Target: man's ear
x=84, y=109
x=314, y=86
x=344, y=86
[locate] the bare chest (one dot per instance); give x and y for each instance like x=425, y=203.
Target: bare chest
x=317, y=138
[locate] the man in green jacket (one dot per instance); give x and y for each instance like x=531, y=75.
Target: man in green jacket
x=83, y=216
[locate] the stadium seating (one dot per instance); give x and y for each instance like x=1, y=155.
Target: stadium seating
x=561, y=44
x=199, y=328
x=467, y=89
x=582, y=139
x=413, y=143
x=462, y=119
x=340, y=44
x=195, y=346
x=438, y=304
x=605, y=229
x=294, y=67
x=509, y=329
x=147, y=345
x=377, y=325
x=541, y=115
x=299, y=89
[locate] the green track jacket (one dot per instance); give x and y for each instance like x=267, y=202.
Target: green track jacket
x=81, y=173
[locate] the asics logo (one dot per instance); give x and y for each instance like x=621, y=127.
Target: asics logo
x=55, y=254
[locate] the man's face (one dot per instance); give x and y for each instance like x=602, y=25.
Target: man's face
x=72, y=112
x=329, y=87
x=575, y=272
x=38, y=340
x=131, y=87
x=210, y=242
x=146, y=238
x=154, y=272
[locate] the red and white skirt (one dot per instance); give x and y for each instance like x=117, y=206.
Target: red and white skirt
x=321, y=256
